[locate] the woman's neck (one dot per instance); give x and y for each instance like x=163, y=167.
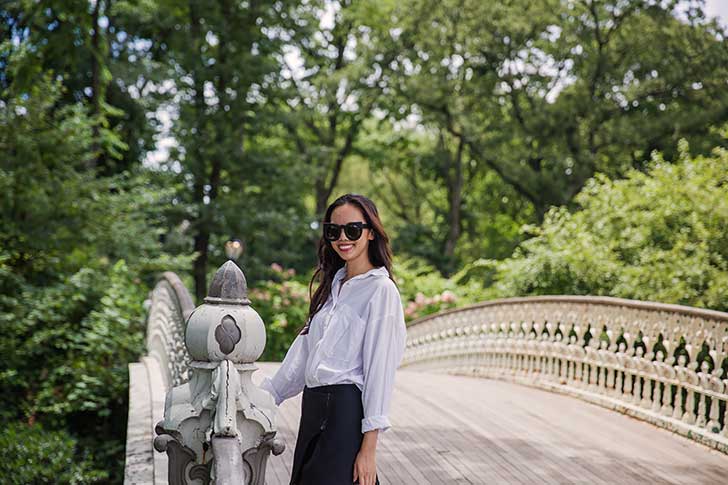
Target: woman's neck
x=354, y=268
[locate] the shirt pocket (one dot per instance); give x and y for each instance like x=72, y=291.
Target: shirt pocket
x=343, y=343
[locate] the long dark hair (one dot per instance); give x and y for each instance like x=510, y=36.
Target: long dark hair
x=329, y=261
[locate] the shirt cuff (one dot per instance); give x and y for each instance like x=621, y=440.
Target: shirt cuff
x=267, y=385
x=375, y=422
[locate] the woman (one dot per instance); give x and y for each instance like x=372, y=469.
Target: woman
x=344, y=358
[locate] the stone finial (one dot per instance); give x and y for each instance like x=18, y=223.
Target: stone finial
x=228, y=286
x=225, y=326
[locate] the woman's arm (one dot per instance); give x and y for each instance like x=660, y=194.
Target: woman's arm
x=289, y=379
x=383, y=348
x=384, y=344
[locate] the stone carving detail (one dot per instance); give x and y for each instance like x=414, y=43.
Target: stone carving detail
x=256, y=459
x=667, y=364
x=218, y=427
x=180, y=457
x=227, y=334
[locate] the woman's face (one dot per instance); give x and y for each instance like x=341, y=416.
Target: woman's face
x=346, y=249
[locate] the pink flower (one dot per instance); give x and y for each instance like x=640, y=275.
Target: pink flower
x=448, y=296
x=291, y=272
x=276, y=267
x=420, y=297
x=409, y=311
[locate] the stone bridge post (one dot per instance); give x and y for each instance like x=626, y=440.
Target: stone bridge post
x=219, y=427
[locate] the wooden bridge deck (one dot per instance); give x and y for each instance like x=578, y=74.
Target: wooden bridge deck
x=455, y=429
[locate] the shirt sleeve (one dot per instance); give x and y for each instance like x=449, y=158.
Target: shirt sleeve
x=384, y=345
x=289, y=379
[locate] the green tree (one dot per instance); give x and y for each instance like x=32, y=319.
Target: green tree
x=445, y=207
x=219, y=59
x=78, y=252
x=329, y=86
x=32, y=454
x=87, y=46
x=547, y=93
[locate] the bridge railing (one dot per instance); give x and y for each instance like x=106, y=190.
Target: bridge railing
x=666, y=364
x=165, y=365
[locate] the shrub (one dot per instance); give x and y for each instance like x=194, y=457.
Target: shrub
x=34, y=455
x=657, y=235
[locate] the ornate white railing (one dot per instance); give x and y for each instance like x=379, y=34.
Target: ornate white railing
x=666, y=364
x=169, y=307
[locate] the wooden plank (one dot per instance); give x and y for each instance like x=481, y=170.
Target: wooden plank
x=630, y=444
x=487, y=458
x=513, y=446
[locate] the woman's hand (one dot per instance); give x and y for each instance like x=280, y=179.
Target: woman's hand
x=365, y=466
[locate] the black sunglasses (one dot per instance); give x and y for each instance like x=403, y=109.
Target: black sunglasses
x=352, y=230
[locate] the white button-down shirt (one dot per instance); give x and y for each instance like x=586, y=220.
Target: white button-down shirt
x=357, y=337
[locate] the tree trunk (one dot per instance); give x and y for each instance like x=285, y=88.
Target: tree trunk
x=202, y=236
x=199, y=269
x=95, y=83
x=454, y=197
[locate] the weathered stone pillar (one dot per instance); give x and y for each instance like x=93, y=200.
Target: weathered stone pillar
x=219, y=427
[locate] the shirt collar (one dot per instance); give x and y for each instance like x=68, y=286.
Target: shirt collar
x=376, y=271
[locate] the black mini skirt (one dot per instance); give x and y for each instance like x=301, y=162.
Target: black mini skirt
x=329, y=435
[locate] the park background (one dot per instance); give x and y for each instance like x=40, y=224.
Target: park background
x=513, y=148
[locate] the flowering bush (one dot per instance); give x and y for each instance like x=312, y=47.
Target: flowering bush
x=425, y=291
x=282, y=302
x=423, y=305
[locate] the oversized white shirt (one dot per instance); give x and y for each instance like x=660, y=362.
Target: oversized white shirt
x=357, y=337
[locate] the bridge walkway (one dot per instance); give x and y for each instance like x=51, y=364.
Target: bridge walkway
x=450, y=429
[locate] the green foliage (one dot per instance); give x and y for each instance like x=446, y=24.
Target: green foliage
x=58, y=216
x=100, y=73
x=34, y=455
x=67, y=347
x=656, y=235
x=547, y=93
x=282, y=303
x=78, y=253
x=409, y=174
